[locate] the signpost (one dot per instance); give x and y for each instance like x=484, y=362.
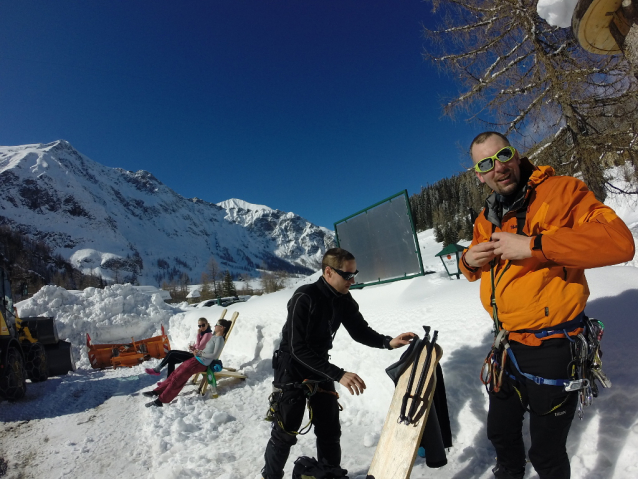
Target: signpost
x=451, y=256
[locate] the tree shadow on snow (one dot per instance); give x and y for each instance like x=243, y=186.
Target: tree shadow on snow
x=72, y=394
x=462, y=385
x=617, y=407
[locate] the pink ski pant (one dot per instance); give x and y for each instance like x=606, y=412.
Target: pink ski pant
x=170, y=388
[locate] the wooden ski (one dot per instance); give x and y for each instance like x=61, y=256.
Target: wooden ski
x=399, y=443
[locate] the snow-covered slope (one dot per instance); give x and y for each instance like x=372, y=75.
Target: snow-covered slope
x=94, y=424
x=122, y=224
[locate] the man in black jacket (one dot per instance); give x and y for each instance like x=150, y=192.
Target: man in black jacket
x=315, y=313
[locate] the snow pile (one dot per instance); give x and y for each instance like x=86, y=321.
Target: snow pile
x=557, y=12
x=110, y=315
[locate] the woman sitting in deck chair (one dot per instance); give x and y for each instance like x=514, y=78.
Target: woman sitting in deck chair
x=175, y=356
x=167, y=390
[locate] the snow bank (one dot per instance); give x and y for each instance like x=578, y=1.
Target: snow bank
x=110, y=315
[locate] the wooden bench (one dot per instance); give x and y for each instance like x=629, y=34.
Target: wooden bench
x=226, y=372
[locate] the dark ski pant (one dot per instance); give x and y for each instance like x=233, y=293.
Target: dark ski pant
x=548, y=426
x=325, y=419
x=174, y=357
x=170, y=388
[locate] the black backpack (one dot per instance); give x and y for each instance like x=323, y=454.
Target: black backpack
x=309, y=468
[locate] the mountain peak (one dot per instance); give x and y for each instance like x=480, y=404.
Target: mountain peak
x=235, y=203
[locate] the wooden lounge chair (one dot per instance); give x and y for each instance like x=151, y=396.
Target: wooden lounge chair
x=226, y=372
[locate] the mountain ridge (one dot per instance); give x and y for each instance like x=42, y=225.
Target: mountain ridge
x=121, y=224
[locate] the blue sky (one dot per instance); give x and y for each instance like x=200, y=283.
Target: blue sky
x=317, y=107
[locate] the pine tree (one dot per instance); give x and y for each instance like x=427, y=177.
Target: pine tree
x=228, y=287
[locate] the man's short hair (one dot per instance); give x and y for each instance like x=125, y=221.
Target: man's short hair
x=335, y=257
x=484, y=136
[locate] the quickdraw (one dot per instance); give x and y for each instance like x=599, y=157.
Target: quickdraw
x=494, y=365
x=586, y=367
x=416, y=397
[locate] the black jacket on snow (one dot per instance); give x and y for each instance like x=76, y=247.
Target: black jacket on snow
x=315, y=313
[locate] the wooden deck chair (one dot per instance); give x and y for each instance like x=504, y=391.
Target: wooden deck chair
x=226, y=372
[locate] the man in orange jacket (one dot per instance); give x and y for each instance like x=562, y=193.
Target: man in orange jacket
x=531, y=245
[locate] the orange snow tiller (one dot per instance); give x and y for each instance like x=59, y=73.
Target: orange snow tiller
x=128, y=354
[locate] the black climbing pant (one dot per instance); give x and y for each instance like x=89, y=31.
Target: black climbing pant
x=174, y=357
x=325, y=418
x=551, y=411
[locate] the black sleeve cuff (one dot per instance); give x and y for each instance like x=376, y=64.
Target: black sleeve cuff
x=538, y=245
x=469, y=268
x=386, y=342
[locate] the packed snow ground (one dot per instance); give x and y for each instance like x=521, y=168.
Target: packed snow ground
x=93, y=423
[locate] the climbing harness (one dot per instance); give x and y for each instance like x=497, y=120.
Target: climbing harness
x=586, y=364
x=428, y=345
x=584, y=369
x=310, y=388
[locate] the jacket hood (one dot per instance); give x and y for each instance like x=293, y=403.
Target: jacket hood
x=538, y=173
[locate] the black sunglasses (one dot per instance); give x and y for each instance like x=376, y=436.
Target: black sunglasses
x=345, y=275
x=201, y=325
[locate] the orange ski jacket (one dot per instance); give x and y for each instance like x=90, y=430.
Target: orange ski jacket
x=578, y=232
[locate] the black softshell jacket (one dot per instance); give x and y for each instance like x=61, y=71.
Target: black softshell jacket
x=315, y=313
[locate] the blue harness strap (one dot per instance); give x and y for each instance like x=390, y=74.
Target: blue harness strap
x=562, y=328
x=535, y=379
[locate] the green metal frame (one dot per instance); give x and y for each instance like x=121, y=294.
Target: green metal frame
x=455, y=249
x=416, y=239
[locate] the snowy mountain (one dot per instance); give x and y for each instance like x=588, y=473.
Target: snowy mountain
x=125, y=225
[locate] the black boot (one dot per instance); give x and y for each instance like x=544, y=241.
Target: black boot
x=158, y=403
x=150, y=394
x=501, y=473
